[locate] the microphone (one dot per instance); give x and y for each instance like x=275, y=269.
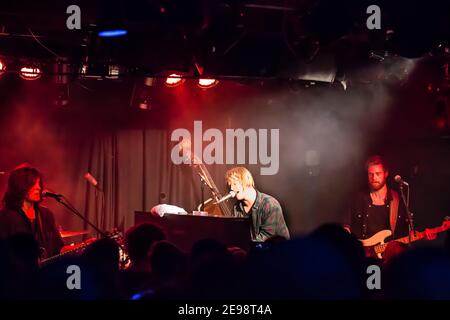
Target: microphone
x=399, y=179
x=49, y=194
x=231, y=194
x=92, y=180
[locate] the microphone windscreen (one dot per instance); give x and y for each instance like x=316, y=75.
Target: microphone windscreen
x=91, y=179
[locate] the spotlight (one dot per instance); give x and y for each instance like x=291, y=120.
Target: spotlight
x=207, y=83
x=62, y=95
x=91, y=71
x=144, y=104
x=174, y=80
x=62, y=70
x=30, y=73
x=112, y=33
x=99, y=71
x=146, y=94
x=113, y=71
x=441, y=118
x=2, y=68
x=111, y=20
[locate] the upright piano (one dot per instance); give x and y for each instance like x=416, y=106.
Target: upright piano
x=184, y=230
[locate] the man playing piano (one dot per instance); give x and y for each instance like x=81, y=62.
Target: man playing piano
x=264, y=210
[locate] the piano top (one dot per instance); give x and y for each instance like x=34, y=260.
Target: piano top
x=185, y=229
x=191, y=215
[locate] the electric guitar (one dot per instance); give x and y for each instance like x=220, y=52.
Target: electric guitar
x=375, y=245
x=79, y=248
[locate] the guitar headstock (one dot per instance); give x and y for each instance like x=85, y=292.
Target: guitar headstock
x=446, y=223
x=118, y=237
x=115, y=235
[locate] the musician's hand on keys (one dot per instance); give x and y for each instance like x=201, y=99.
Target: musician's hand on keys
x=430, y=235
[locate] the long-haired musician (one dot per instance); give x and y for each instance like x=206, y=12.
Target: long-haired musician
x=22, y=212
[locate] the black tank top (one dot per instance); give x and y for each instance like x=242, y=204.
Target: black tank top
x=377, y=220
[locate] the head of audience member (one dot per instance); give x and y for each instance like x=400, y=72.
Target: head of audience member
x=208, y=249
x=103, y=253
x=212, y=271
x=336, y=235
x=20, y=266
x=100, y=261
x=239, y=255
x=168, y=263
x=138, y=240
x=302, y=268
x=347, y=245
x=422, y=273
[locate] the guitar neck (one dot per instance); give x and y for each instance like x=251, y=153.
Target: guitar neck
x=420, y=235
x=116, y=237
x=55, y=257
x=414, y=237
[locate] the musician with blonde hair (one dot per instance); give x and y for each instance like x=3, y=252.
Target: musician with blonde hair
x=264, y=210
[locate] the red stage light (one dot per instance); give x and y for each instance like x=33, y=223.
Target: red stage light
x=207, y=83
x=2, y=67
x=30, y=73
x=174, y=80
x=440, y=123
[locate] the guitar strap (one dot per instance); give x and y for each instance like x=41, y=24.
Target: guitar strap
x=393, y=210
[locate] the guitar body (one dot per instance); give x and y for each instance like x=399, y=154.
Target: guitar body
x=79, y=248
x=375, y=245
x=375, y=240
x=74, y=248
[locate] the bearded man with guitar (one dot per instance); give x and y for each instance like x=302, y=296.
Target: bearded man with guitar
x=377, y=214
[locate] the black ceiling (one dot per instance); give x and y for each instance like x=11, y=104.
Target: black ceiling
x=248, y=38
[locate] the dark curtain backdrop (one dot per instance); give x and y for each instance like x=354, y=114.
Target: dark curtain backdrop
x=134, y=173
x=130, y=162
x=325, y=135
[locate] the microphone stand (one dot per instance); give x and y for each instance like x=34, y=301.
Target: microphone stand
x=204, y=182
x=69, y=206
x=104, y=234
x=202, y=191
x=408, y=213
x=205, y=177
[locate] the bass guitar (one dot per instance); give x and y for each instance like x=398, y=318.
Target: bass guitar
x=376, y=245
